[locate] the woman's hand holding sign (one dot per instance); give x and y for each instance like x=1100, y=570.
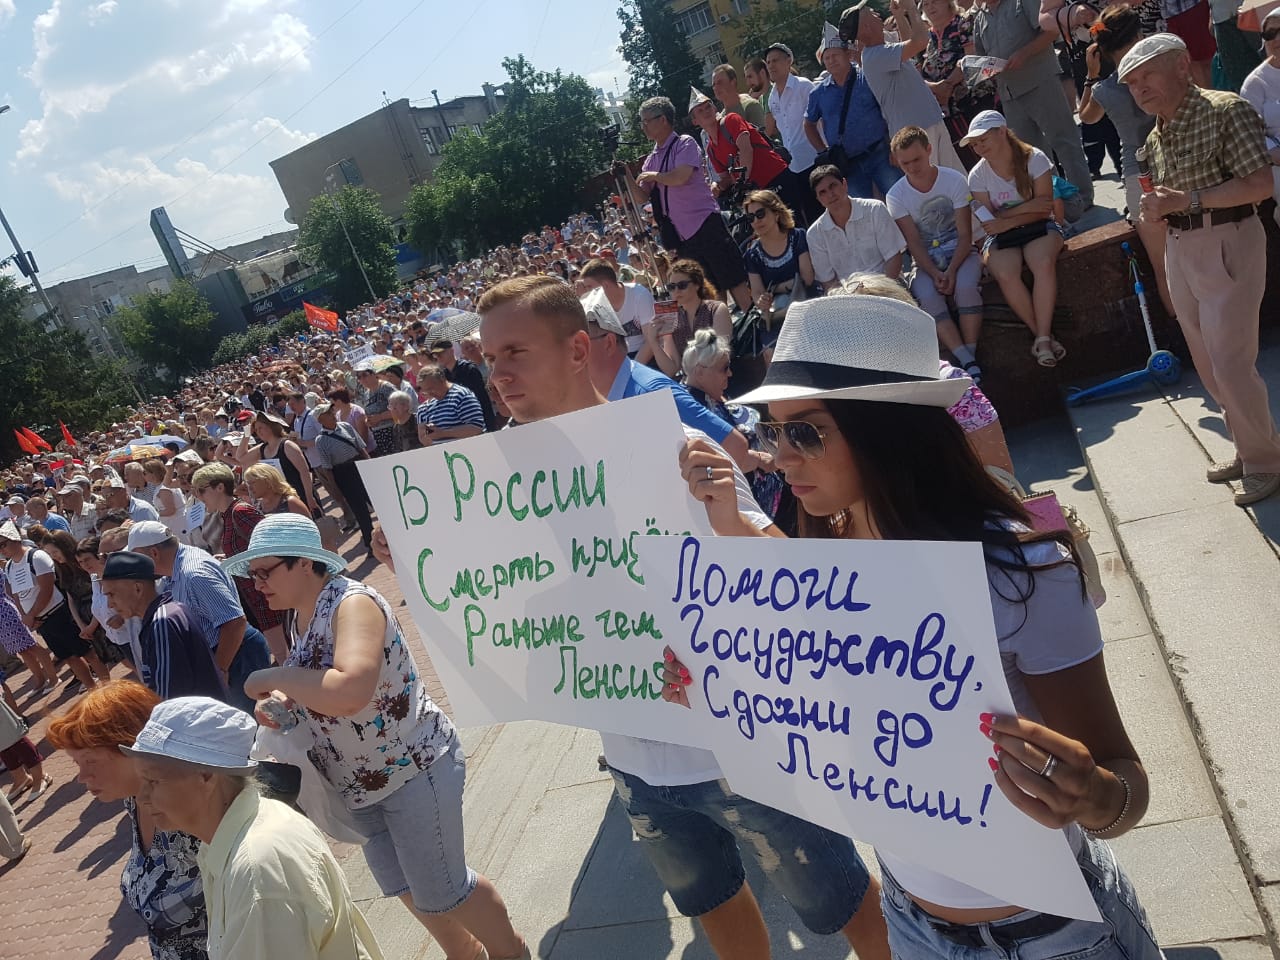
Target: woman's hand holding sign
x=675, y=679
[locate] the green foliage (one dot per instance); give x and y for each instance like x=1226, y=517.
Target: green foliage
x=171, y=333
x=46, y=378
x=658, y=55
x=797, y=23
x=250, y=342
x=324, y=244
x=525, y=169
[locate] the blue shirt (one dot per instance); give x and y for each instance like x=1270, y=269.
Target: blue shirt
x=864, y=126
x=634, y=379
x=199, y=583
x=54, y=522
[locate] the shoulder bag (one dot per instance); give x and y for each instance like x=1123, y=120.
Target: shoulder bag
x=835, y=152
x=12, y=727
x=666, y=229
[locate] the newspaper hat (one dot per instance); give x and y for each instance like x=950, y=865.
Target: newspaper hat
x=697, y=98
x=9, y=531
x=830, y=40
x=1148, y=48
x=600, y=312
x=857, y=347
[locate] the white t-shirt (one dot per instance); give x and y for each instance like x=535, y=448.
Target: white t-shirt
x=934, y=212
x=666, y=764
x=1055, y=630
x=1004, y=193
x=1262, y=89
x=23, y=575
x=636, y=314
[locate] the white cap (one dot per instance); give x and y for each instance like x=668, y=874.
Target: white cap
x=147, y=533
x=697, y=97
x=1148, y=48
x=600, y=312
x=984, y=121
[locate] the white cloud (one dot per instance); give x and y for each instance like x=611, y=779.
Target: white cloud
x=6, y=10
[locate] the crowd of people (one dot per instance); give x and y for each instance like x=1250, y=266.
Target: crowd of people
x=182, y=566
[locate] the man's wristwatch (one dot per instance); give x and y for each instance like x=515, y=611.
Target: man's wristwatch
x=1195, y=209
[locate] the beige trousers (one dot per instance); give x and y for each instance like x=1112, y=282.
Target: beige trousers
x=1217, y=276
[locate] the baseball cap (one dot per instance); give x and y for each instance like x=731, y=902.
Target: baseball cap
x=980, y=124
x=781, y=48
x=1146, y=49
x=147, y=533
x=14, y=500
x=600, y=312
x=128, y=566
x=198, y=730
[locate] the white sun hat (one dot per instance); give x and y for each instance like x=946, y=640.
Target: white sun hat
x=857, y=347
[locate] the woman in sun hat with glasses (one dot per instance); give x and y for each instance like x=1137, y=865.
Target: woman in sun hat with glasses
x=858, y=423
x=350, y=679
x=272, y=887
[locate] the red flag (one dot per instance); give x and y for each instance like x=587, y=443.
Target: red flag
x=66, y=434
x=39, y=442
x=320, y=318
x=24, y=443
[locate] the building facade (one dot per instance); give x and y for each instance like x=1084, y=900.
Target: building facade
x=715, y=28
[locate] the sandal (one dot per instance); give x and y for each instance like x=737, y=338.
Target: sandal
x=1042, y=350
x=45, y=784
x=1059, y=351
x=16, y=792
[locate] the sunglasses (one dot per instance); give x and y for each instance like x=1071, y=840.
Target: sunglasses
x=680, y=284
x=801, y=436
x=758, y=214
x=1271, y=34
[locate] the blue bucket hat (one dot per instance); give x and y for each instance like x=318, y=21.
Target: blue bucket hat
x=284, y=535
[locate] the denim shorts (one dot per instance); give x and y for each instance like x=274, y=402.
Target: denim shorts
x=691, y=833
x=415, y=843
x=1123, y=934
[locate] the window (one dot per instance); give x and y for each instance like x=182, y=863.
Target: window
x=742, y=7
x=475, y=128
x=427, y=140
x=453, y=130
x=695, y=20
x=712, y=58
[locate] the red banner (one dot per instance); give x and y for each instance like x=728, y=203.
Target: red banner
x=26, y=445
x=320, y=318
x=66, y=434
x=39, y=442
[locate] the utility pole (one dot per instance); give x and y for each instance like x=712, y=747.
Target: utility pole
x=26, y=263
x=444, y=124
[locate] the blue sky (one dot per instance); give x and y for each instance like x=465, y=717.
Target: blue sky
x=119, y=106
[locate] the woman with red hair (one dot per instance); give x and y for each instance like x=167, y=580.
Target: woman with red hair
x=161, y=880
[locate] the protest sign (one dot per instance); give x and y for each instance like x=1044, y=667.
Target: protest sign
x=356, y=354
x=842, y=681
x=518, y=556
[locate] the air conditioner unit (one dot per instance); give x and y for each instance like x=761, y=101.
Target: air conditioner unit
x=725, y=18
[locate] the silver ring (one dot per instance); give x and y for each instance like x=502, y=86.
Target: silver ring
x=1050, y=765
x=710, y=474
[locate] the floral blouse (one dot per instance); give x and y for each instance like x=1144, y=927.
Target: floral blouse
x=368, y=756
x=163, y=886
x=943, y=55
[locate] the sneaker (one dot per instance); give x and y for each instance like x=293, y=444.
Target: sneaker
x=1224, y=471
x=42, y=788
x=1255, y=487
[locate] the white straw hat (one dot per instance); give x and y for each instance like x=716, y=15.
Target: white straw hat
x=857, y=347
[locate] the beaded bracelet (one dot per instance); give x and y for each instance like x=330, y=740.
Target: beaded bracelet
x=1124, y=811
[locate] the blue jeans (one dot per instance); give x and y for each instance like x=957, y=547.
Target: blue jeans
x=691, y=832
x=254, y=654
x=873, y=169
x=1123, y=934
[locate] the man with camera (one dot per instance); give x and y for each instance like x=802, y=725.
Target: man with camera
x=687, y=214
x=857, y=139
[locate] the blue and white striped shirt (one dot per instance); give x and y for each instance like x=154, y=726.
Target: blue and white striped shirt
x=458, y=407
x=199, y=583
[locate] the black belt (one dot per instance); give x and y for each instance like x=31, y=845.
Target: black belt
x=1210, y=218
x=1004, y=936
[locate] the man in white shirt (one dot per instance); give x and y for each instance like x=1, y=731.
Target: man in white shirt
x=854, y=235
x=787, y=103
x=630, y=301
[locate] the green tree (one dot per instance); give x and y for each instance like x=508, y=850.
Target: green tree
x=236, y=345
x=659, y=59
x=171, y=333
x=44, y=379
x=324, y=243
x=797, y=23
x=526, y=168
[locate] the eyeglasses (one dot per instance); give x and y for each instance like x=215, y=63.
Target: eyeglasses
x=263, y=574
x=680, y=284
x=758, y=214
x=801, y=436
x=1269, y=35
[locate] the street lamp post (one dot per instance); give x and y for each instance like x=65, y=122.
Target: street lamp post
x=25, y=263
x=342, y=223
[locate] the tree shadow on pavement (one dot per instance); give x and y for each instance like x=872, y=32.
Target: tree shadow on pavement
x=123, y=929
x=619, y=909
x=94, y=814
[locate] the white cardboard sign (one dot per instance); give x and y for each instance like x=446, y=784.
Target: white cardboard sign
x=356, y=354
x=842, y=681
x=518, y=554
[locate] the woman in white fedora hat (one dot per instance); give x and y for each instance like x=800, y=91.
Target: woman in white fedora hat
x=272, y=887
x=350, y=678
x=858, y=423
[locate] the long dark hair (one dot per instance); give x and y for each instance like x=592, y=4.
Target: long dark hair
x=922, y=481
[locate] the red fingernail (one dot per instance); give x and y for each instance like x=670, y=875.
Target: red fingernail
x=684, y=672
x=687, y=680
x=987, y=718
x=675, y=686
x=986, y=730
x=668, y=656
x=996, y=747
x=992, y=764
